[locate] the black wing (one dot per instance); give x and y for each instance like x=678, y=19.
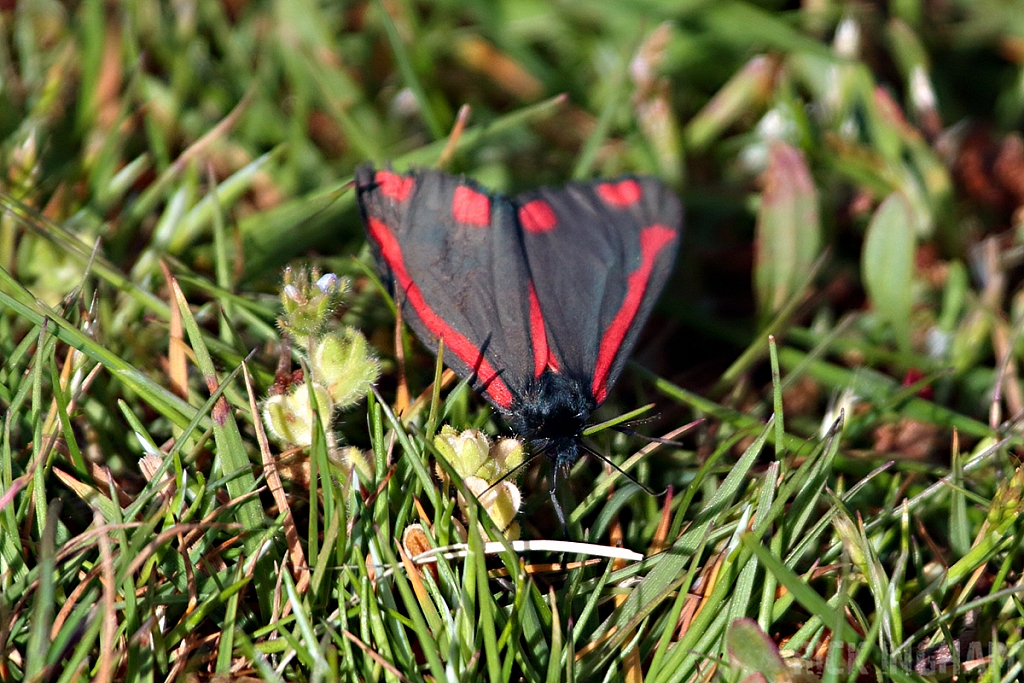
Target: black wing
x=599, y=254
x=454, y=258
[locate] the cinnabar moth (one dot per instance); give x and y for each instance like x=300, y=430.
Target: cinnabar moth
x=539, y=298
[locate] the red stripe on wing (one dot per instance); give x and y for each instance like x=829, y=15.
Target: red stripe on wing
x=653, y=239
x=464, y=349
x=542, y=358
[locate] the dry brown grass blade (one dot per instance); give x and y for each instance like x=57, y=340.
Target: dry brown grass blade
x=484, y=58
x=108, y=629
x=402, y=391
x=374, y=656
x=660, y=540
x=177, y=349
x=453, y=138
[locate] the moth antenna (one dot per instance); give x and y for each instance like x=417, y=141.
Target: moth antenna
x=626, y=428
x=653, y=439
x=621, y=471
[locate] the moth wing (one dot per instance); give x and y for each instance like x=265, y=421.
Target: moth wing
x=453, y=256
x=599, y=254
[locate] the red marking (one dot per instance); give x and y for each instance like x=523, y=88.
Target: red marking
x=620, y=194
x=393, y=185
x=466, y=351
x=914, y=376
x=653, y=239
x=542, y=358
x=470, y=206
x=537, y=216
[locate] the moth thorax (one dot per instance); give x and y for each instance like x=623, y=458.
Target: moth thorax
x=553, y=408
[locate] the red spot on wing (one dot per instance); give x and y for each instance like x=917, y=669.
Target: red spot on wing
x=653, y=239
x=470, y=206
x=455, y=342
x=394, y=186
x=620, y=194
x=537, y=216
x=542, y=358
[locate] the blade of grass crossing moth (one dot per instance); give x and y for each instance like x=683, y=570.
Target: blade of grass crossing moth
x=430, y=117
x=625, y=417
x=232, y=454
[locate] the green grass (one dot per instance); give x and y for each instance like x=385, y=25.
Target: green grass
x=848, y=505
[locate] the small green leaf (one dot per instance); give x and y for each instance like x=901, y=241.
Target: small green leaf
x=788, y=228
x=887, y=263
x=752, y=649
